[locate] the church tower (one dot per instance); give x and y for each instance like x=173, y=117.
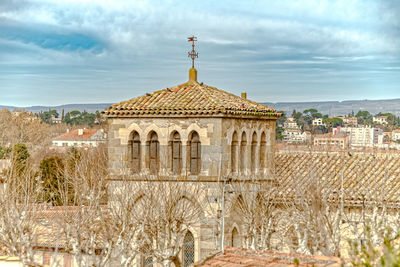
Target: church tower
x=193, y=132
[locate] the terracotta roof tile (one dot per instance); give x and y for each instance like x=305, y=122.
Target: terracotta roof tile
x=366, y=176
x=190, y=98
x=73, y=135
x=239, y=257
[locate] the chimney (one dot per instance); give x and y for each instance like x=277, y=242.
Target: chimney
x=244, y=95
x=80, y=132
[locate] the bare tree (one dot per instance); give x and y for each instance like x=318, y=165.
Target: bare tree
x=167, y=210
x=18, y=230
x=256, y=211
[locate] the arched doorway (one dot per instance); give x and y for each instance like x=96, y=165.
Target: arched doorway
x=235, y=238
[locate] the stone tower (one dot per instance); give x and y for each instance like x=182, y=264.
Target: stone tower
x=191, y=130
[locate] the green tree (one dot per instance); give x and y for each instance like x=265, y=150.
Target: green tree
x=4, y=152
x=333, y=122
x=53, y=180
x=20, y=157
x=364, y=117
x=46, y=116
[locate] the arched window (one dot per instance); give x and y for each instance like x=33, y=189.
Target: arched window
x=243, y=144
x=176, y=153
x=234, y=152
x=147, y=261
x=154, y=153
x=235, y=238
x=134, y=151
x=263, y=151
x=188, y=249
x=253, y=152
x=195, y=153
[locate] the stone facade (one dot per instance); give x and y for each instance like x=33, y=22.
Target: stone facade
x=251, y=141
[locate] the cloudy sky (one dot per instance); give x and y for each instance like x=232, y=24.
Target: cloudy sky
x=79, y=51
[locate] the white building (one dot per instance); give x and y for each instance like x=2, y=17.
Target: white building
x=290, y=123
x=396, y=135
x=380, y=119
x=80, y=138
x=296, y=136
x=362, y=136
x=318, y=122
x=353, y=121
x=55, y=120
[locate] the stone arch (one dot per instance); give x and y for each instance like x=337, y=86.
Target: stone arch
x=235, y=238
x=153, y=155
x=134, y=152
x=194, y=153
x=253, y=153
x=132, y=127
x=175, y=152
x=242, y=153
x=194, y=127
x=234, y=152
x=154, y=128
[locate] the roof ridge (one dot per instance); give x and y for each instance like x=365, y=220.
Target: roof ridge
x=190, y=98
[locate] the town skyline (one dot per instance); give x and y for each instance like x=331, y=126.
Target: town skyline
x=72, y=51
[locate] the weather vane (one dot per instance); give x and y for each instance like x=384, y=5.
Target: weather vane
x=192, y=54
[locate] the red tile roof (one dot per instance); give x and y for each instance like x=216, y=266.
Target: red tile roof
x=239, y=257
x=361, y=177
x=73, y=135
x=190, y=99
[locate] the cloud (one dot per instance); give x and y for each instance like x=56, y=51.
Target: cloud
x=78, y=45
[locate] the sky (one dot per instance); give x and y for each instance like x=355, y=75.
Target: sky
x=55, y=52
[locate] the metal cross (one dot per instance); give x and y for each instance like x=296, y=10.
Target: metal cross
x=192, y=54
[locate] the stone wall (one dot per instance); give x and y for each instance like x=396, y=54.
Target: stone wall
x=215, y=137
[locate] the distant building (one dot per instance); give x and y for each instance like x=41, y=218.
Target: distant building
x=296, y=136
x=332, y=140
x=290, y=123
x=55, y=120
x=362, y=136
x=380, y=119
x=396, y=135
x=80, y=138
x=318, y=122
x=350, y=121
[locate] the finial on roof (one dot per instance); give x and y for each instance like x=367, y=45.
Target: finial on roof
x=193, y=55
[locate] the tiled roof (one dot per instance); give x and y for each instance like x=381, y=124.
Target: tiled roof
x=73, y=135
x=48, y=225
x=239, y=257
x=190, y=99
x=369, y=177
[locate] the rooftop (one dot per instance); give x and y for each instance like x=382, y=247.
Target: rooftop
x=190, y=99
x=239, y=257
x=368, y=177
x=74, y=135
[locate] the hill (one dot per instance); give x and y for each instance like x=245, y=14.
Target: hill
x=91, y=108
x=335, y=108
